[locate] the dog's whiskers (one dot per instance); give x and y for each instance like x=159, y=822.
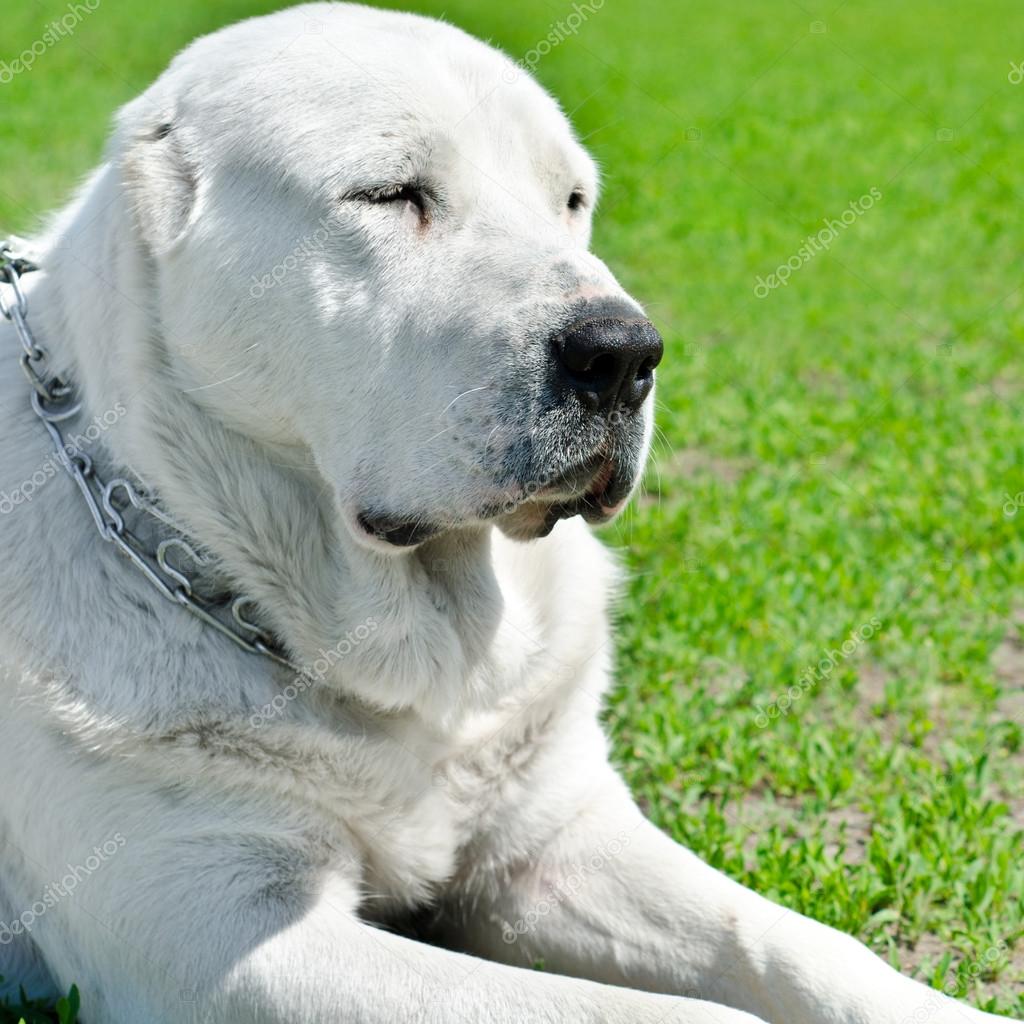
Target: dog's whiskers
x=470, y=391
x=216, y=383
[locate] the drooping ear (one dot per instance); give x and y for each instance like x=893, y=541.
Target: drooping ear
x=159, y=175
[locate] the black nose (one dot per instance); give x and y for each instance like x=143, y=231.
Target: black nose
x=609, y=361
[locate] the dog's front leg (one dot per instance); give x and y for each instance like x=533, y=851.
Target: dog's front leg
x=219, y=907
x=236, y=928
x=325, y=970
x=614, y=899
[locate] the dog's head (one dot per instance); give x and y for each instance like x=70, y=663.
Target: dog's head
x=369, y=235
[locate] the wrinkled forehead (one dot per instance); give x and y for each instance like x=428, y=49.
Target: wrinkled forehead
x=385, y=103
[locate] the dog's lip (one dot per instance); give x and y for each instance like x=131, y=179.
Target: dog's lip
x=606, y=491
x=394, y=530
x=600, y=499
x=596, y=490
x=577, y=480
x=601, y=483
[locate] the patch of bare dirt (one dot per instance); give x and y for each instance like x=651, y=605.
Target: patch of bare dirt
x=872, y=680
x=852, y=827
x=1008, y=657
x=1000, y=388
x=688, y=463
x=847, y=827
x=723, y=677
x=925, y=952
x=828, y=381
x=1008, y=665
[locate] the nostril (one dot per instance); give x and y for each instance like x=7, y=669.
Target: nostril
x=603, y=368
x=645, y=374
x=583, y=362
x=636, y=390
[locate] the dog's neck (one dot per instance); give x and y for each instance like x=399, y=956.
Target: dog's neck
x=263, y=512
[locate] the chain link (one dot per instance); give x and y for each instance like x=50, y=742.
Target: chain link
x=53, y=401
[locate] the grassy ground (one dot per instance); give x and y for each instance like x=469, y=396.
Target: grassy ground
x=836, y=453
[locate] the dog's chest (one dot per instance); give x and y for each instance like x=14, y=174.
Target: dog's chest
x=445, y=788
x=427, y=802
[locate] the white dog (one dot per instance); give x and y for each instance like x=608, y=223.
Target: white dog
x=330, y=300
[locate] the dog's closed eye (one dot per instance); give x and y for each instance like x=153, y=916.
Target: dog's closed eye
x=416, y=195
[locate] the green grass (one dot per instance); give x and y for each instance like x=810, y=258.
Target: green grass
x=837, y=450
x=37, y=1011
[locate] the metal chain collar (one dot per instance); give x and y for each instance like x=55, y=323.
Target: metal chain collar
x=54, y=401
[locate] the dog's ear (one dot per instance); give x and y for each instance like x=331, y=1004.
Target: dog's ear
x=159, y=175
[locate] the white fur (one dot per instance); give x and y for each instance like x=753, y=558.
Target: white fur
x=449, y=767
